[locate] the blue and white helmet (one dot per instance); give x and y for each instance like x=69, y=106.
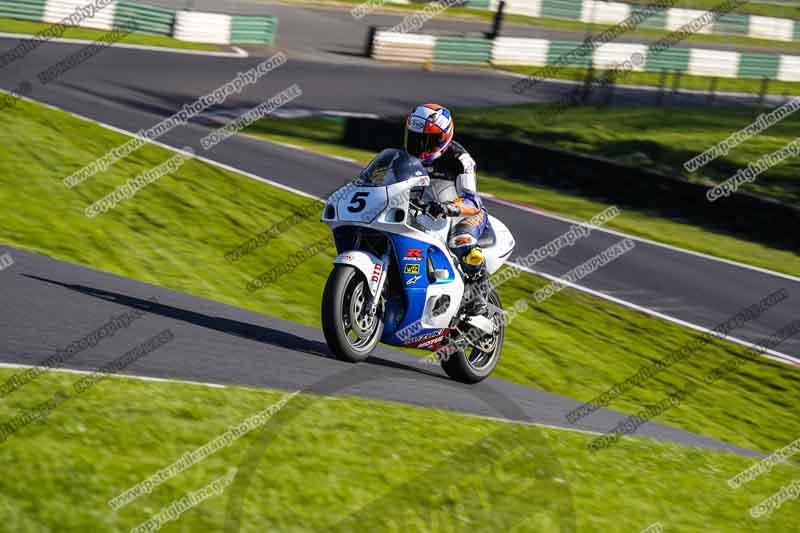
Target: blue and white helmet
x=429, y=131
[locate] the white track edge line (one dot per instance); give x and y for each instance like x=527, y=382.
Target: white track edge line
x=303, y=149
x=114, y=374
x=219, y=386
x=773, y=355
x=238, y=52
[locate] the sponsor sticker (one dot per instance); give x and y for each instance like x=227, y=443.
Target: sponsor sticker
x=417, y=124
x=411, y=269
x=376, y=273
x=422, y=341
x=413, y=254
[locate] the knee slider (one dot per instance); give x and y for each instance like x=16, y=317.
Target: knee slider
x=461, y=240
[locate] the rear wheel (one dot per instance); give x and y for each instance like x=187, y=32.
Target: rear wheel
x=478, y=358
x=350, y=331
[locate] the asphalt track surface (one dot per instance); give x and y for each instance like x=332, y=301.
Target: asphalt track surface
x=147, y=81
x=50, y=304
x=135, y=89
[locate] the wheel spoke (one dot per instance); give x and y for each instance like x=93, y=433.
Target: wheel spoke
x=360, y=327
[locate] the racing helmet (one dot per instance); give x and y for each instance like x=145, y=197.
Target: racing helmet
x=429, y=131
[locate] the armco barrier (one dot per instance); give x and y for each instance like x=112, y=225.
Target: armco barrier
x=203, y=27
x=395, y=46
x=789, y=68
x=406, y=47
x=23, y=9
x=528, y=8
x=520, y=51
x=670, y=60
x=224, y=29
x=749, y=216
x=478, y=4
x=610, y=13
x=192, y=26
x=732, y=24
x=148, y=19
x=468, y=51
x=252, y=29
x=57, y=10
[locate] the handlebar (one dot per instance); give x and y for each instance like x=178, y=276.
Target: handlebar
x=424, y=208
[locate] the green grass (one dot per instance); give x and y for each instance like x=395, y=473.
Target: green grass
x=655, y=79
x=617, y=131
x=32, y=28
x=347, y=464
x=175, y=232
x=661, y=139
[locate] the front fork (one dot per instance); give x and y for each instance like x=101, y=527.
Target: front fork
x=375, y=299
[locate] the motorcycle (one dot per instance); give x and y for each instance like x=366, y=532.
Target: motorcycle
x=395, y=280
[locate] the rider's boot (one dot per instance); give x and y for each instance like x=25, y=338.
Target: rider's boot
x=476, y=290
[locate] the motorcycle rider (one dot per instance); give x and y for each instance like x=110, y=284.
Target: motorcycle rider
x=429, y=137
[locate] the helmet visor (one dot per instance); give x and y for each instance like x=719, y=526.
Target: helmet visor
x=418, y=143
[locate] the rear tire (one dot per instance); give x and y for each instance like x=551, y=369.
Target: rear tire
x=345, y=294
x=474, y=365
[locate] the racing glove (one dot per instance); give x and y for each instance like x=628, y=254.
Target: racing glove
x=443, y=209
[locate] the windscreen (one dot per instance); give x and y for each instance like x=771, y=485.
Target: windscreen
x=391, y=166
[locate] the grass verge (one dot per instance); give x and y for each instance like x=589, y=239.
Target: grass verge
x=670, y=80
x=345, y=464
x=32, y=28
x=572, y=344
x=620, y=130
x=661, y=139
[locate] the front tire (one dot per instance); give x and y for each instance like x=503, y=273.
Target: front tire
x=474, y=364
x=350, y=333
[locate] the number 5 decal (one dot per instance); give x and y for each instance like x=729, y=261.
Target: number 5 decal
x=358, y=201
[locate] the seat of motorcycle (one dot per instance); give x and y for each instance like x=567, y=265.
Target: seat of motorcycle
x=488, y=238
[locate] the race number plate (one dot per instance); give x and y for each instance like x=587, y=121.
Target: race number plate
x=362, y=204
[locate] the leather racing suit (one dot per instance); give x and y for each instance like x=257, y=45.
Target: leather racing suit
x=456, y=165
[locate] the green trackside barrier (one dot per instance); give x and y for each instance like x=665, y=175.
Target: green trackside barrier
x=148, y=19
x=732, y=23
x=657, y=20
x=759, y=65
x=253, y=29
x=562, y=9
x=557, y=49
x=671, y=59
x=797, y=30
x=462, y=50
x=478, y=4
x=23, y=9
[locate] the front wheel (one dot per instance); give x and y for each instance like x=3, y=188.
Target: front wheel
x=350, y=331
x=478, y=358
